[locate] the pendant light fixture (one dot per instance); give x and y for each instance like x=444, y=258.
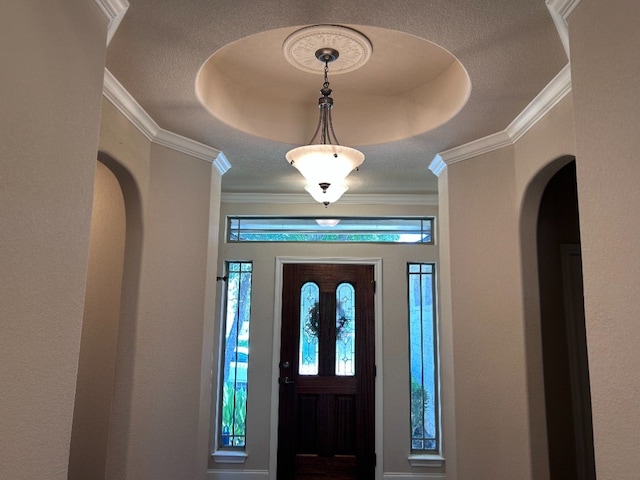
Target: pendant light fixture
x=324, y=163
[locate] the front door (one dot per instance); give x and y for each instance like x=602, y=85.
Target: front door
x=327, y=373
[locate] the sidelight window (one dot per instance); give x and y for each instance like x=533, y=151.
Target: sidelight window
x=235, y=355
x=424, y=405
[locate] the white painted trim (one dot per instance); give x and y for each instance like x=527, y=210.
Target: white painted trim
x=277, y=325
x=560, y=11
x=128, y=106
x=563, y=7
x=437, y=165
x=414, y=476
x=477, y=147
x=355, y=199
x=561, y=25
x=222, y=163
x=229, y=456
x=114, y=10
x=237, y=474
x=131, y=109
x=192, y=148
x=548, y=98
x=426, y=460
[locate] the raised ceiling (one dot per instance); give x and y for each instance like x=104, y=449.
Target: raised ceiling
x=257, y=105
x=408, y=87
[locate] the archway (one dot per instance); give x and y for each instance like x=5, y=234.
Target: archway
x=557, y=367
x=106, y=349
x=563, y=335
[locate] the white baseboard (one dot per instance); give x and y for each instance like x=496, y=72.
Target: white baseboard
x=237, y=474
x=264, y=475
x=413, y=476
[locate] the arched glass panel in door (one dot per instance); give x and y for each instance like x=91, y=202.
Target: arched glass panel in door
x=345, y=330
x=309, y=318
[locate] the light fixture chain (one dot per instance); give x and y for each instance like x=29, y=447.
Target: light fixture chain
x=326, y=74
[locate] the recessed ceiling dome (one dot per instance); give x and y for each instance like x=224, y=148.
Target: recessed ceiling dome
x=399, y=86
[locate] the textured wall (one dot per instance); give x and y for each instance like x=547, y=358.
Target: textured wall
x=489, y=208
x=96, y=368
x=538, y=155
x=161, y=386
x=51, y=77
x=492, y=428
x=605, y=51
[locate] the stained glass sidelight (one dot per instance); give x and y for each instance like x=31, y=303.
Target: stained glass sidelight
x=423, y=358
x=232, y=426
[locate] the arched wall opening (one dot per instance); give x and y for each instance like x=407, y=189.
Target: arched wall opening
x=564, y=348
x=100, y=421
x=560, y=413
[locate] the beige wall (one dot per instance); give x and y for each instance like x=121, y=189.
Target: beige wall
x=492, y=431
x=51, y=77
x=539, y=154
x=605, y=51
x=489, y=296
x=96, y=366
x=157, y=416
x=395, y=371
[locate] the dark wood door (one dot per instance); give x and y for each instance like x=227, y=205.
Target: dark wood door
x=327, y=373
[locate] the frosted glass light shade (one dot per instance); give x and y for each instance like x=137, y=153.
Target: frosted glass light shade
x=325, y=163
x=330, y=195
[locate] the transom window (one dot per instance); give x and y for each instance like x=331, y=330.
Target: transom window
x=330, y=229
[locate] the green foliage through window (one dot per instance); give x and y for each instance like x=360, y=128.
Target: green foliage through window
x=331, y=230
x=424, y=408
x=233, y=401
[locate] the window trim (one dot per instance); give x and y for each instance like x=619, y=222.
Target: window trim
x=295, y=225
x=428, y=458
x=227, y=453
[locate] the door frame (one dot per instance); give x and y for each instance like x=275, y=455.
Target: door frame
x=275, y=368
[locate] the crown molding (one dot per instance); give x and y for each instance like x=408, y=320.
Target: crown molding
x=437, y=165
x=486, y=144
x=131, y=109
x=560, y=11
x=114, y=10
x=354, y=199
x=548, y=98
x=128, y=106
x=563, y=7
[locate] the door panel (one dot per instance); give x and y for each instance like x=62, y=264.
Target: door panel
x=326, y=417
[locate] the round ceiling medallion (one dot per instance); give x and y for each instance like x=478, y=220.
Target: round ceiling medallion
x=301, y=46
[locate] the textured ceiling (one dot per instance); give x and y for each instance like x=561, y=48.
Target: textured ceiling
x=509, y=48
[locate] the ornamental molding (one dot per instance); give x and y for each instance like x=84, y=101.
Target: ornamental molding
x=548, y=98
x=114, y=10
x=131, y=109
x=560, y=11
x=563, y=7
x=350, y=199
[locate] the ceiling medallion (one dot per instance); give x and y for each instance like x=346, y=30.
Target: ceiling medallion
x=300, y=48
